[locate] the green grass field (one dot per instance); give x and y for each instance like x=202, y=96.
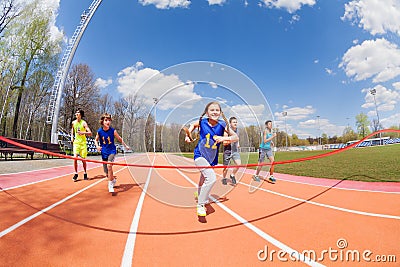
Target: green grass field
x=371, y=164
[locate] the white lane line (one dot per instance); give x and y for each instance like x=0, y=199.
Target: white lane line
x=45, y=169
x=48, y=179
x=335, y=183
x=259, y=232
x=325, y=205
x=33, y=216
x=131, y=240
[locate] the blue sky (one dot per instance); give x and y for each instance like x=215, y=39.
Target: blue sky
x=315, y=60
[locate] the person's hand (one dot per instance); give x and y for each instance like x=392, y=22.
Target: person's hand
x=219, y=139
x=188, y=139
x=98, y=148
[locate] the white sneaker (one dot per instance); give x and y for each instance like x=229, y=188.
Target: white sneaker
x=201, y=211
x=110, y=187
x=114, y=182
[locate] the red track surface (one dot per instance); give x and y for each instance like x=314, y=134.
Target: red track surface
x=56, y=222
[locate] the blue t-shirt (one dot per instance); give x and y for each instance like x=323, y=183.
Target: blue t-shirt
x=266, y=145
x=207, y=147
x=107, y=142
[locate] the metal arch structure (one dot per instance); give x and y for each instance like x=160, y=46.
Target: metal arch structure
x=58, y=86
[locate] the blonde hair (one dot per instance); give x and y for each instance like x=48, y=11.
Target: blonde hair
x=222, y=114
x=105, y=116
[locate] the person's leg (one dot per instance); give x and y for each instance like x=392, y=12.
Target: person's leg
x=83, y=153
x=197, y=192
x=75, y=152
x=84, y=169
x=237, y=161
x=75, y=177
x=110, y=178
x=226, y=159
x=105, y=168
x=76, y=165
x=261, y=157
x=110, y=173
x=271, y=177
x=271, y=160
x=205, y=189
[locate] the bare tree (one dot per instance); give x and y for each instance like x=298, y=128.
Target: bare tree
x=9, y=11
x=134, y=112
x=80, y=91
x=106, y=104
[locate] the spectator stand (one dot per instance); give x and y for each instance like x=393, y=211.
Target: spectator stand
x=64, y=139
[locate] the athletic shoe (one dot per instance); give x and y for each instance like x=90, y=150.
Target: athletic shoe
x=85, y=176
x=110, y=187
x=75, y=178
x=201, y=210
x=233, y=179
x=256, y=178
x=224, y=181
x=271, y=179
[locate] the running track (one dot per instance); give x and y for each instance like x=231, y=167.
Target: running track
x=48, y=220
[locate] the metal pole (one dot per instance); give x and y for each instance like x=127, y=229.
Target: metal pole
x=373, y=93
x=319, y=132
x=286, y=134
x=155, y=124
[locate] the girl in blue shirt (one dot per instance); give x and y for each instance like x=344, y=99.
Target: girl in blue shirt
x=211, y=131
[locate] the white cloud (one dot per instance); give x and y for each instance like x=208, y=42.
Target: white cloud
x=378, y=59
x=375, y=16
x=213, y=85
x=386, y=99
x=101, y=83
x=149, y=83
x=49, y=7
x=295, y=113
x=294, y=19
x=392, y=120
x=216, y=2
x=320, y=126
x=247, y=114
x=165, y=4
x=290, y=5
x=329, y=71
x=396, y=85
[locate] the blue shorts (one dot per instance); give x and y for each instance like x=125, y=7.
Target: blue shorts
x=264, y=152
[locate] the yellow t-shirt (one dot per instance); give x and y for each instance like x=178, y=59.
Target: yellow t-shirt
x=79, y=139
